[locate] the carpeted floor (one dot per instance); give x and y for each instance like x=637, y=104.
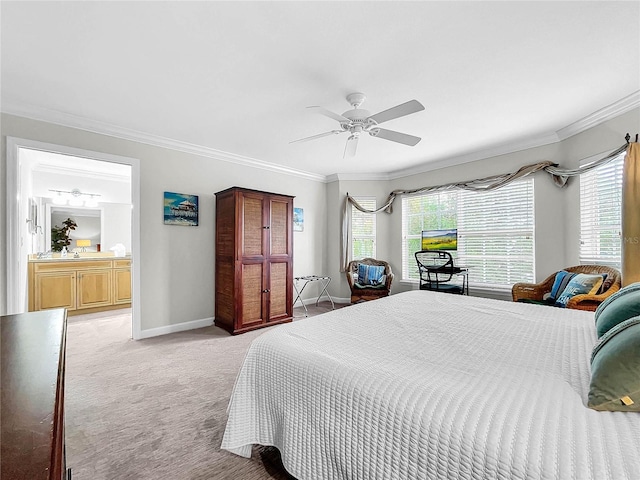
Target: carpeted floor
x=155, y=409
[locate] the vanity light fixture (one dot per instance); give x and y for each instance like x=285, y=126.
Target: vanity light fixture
x=91, y=201
x=75, y=198
x=59, y=199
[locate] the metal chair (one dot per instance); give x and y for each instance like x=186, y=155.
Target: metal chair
x=437, y=271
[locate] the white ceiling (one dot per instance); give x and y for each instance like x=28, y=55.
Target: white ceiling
x=236, y=76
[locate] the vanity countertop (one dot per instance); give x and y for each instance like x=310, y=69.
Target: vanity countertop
x=88, y=256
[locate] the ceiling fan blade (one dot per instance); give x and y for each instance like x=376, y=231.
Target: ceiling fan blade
x=350, y=148
x=394, y=136
x=320, y=135
x=330, y=114
x=412, y=106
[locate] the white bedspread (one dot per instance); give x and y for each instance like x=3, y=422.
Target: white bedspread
x=424, y=385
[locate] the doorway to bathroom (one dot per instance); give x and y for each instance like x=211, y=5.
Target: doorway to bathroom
x=50, y=186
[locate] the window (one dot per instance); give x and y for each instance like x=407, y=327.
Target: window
x=433, y=211
x=363, y=229
x=495, y=231
x=601, y=214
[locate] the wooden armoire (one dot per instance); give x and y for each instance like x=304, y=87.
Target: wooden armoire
x=254, y=259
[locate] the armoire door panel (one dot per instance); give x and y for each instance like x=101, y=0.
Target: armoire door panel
x=252, y=223
x=279, y=228
x=252, y=294
x=278, y=290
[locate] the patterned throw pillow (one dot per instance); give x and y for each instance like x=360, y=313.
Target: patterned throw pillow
x=370, y=274
x=559, y=284
x=580, y=284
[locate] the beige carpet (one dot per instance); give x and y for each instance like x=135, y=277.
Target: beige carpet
x=155, y=409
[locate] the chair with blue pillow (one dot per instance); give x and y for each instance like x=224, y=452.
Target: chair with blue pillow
x=369, y=279
x=568, y=290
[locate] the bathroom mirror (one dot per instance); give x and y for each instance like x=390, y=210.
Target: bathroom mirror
x=89, y=226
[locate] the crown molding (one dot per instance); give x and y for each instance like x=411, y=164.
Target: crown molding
x=600, y=116
x=495, y=151
x=103, y=128
x=346, y=177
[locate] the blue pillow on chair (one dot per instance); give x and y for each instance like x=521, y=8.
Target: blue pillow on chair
x=579, y=285
x=370, y=275
x=559, y=284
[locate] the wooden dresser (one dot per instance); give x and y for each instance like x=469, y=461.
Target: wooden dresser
x=254, y=259
x=32, y=425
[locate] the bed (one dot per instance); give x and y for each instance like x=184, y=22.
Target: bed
x=425, y=385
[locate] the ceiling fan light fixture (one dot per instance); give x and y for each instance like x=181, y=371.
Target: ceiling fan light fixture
x=356, y=99
x=359, y=120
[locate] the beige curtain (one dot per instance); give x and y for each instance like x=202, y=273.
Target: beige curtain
x=631, y=215
x=560, y=178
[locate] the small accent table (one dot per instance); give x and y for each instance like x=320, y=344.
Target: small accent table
x=307, y=280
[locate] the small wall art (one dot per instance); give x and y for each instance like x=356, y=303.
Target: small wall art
x=298, y=219
x=180, y=209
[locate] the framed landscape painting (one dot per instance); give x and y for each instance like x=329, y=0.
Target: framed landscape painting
x=298, y=220
x=180, y=209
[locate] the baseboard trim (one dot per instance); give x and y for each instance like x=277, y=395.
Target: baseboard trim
x=324, y=298
x=178, y=327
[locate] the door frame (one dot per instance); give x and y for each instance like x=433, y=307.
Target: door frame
x=13, y=195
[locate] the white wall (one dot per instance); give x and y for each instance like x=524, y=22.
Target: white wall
x=116, y=226
x=177, y=262
x=336, y=193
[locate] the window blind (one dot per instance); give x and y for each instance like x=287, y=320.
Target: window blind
x=496, y=234
x=495, y=231
x=601, y=214
x=431, y=211
x=363, y=229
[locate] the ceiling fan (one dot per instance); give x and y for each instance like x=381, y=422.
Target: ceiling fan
x=358, y=121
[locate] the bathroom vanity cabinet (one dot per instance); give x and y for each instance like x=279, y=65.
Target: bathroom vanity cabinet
x=81, y=285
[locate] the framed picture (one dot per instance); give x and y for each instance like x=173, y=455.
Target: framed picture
x=298, y=220
x=180, y=209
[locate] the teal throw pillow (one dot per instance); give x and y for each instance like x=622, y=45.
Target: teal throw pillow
x=617, y=308
x=559, y=284
x=615, y=369
x=579, y=285
x=370, y=275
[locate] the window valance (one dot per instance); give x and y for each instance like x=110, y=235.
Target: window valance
x=559, y=175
